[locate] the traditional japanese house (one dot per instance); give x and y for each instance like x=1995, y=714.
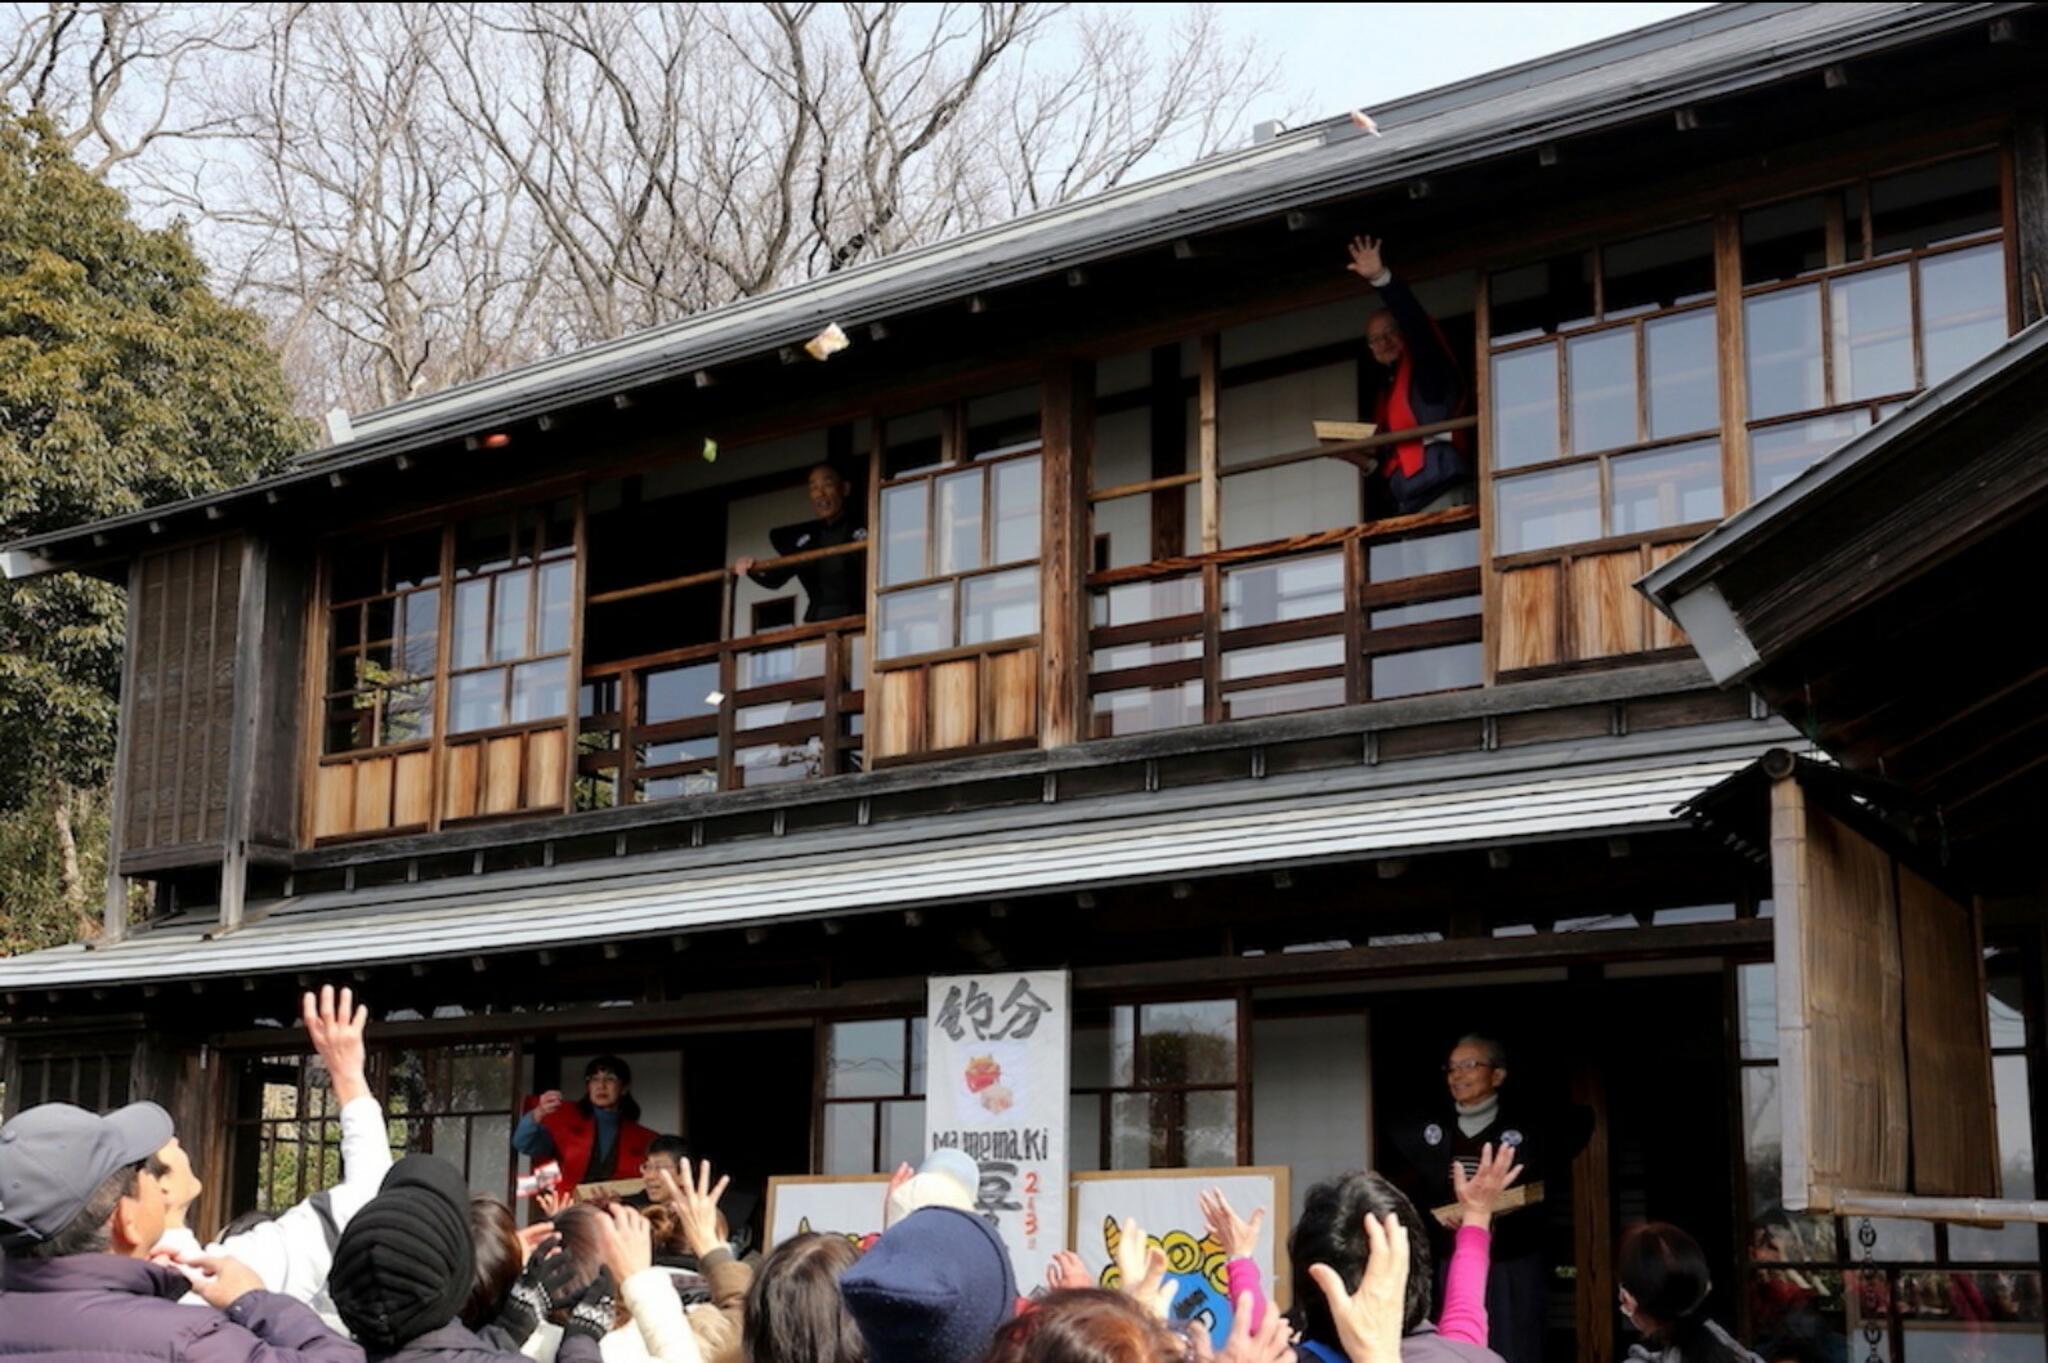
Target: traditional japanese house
x=470, y=709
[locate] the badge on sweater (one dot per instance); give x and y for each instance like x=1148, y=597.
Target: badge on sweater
x=1433, y=1134
x=1511, y=1137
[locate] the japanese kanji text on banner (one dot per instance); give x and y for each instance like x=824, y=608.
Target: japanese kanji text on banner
x=996, y=1087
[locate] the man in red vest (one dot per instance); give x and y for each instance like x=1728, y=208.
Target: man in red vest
x=1421, y=385
x=597, y=1138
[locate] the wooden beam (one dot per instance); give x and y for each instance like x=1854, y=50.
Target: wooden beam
x=1209, y=436
x=1068, y=390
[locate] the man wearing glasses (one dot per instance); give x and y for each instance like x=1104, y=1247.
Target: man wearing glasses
x=1478, y=1115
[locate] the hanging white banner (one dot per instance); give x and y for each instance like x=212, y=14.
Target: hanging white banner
x=996, y=1088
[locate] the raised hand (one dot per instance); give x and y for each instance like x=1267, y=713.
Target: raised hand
x=1267, y=1344
x=1480, y=1193
x=1365, y=258
x=220, y=1279
x=696, y=1201
x=1141, y=1271
x=1067, y=1271
x=1239, y=1238
x=630, y=1247
x=1369, y=1321
x=546, y=1104
x=335, y=1025
x=550, y=1202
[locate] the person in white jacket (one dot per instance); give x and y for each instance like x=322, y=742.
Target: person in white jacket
x=292, y=1252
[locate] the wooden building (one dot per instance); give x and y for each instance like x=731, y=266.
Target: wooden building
x=470, y=709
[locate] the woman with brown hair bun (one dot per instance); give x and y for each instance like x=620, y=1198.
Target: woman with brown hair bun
x=1085, y=1325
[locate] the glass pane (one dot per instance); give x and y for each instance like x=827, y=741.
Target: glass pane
x=1789, y=1236
x=1268, y=659
x=2018, y=1241
x=850, y=1138
x=1130, y=1131
x=508, y=617
x=1144, y=655
x=1547, y=296
x=675, y=787
x=1525, y=407
x=478, y=702
x=1002, y=422
x=1786, y=240
x=1934, y=204
x=1396, y=559
x=647, y=755
x=354, y=573
x=409, y=712
x=1962, y=308
x=1084, y=1132
x=1291, y=589
x=999, y=606
x=351, y=724
x=345, y=626
x=1979, y=1317
x=1140, y=602
x=483, y=545
x=2006, y=999
x=904, y=525
x=1016, y=493
x=1684, y=383
x=1102, y=1052
x=1210, y=1137
x=916, y=621
x=540, y=690
x=1778, y=454
x=1142, y=711
x=414, y=561
x=1678, y=485
x=959, y=536
x=790, y=662
x=419, y=630
x=864, y=1059
x=1188, y=1043
x=1423, y=612
x=778, y=712
x=556, y=580
x=902, y=1134
x=472, y=613
x=1756, y=992
x=1286, y=699
x=917, y=1053
x=1450, y=668
x=913, y=442
x=1781, y=341
x=1602, y=371
x=1539, y=510
x=1873, y=332
x=672, y=693
x=490, y=1155
x=1661, y=270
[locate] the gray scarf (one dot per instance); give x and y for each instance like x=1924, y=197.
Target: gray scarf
x=1474, y=1118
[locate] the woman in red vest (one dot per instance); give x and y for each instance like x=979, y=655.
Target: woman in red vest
x=596, y=1138
x=1420, y=386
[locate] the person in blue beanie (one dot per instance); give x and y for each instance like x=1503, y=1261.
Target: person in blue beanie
x=934, y=1289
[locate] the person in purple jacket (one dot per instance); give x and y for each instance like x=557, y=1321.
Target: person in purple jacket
x=82, y=1206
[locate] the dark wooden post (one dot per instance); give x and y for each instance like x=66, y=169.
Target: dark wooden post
x=1069, y=429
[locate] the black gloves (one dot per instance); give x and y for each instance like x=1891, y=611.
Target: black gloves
x=544, y=1285
x=596, y=1309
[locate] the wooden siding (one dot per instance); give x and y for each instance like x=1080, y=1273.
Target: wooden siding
x=179, y=706
x=1948, y=1044
x=975, y=702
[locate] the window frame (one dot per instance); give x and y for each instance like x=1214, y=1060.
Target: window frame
x=1240, y=1085
x=825, y=1101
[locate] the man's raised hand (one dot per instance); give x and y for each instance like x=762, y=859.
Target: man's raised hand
x=1365, y=258
x=334, y=1024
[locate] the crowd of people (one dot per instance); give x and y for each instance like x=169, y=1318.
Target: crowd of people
x=401, y=1261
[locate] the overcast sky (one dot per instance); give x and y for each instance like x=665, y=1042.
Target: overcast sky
x=1335, y=57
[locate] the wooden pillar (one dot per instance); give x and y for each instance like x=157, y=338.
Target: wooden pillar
x=1068, y=424
x=1208, y=406
x=2029, y=210
x=114, y=910
x=1593, y=1223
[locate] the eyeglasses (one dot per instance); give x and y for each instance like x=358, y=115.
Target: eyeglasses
x=1467, y=1066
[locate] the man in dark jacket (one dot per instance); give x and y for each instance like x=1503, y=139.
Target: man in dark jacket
x=81, y=1206
x=406, y=1263
x=835, y=585
x=1545, y=1142
x=1420, y=385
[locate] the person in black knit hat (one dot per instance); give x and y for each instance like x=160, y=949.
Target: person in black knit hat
x=406, y=1264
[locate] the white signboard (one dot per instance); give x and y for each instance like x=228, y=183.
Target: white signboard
x=1167, y=1206
x=996, y=1088
x=833, y=1204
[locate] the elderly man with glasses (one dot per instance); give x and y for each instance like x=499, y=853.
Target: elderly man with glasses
x=1480, y=1115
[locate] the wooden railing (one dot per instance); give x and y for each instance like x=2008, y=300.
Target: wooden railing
x=780, y=706
x=1332, y=618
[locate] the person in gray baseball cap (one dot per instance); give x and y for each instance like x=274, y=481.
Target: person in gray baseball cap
x=82, y=1205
